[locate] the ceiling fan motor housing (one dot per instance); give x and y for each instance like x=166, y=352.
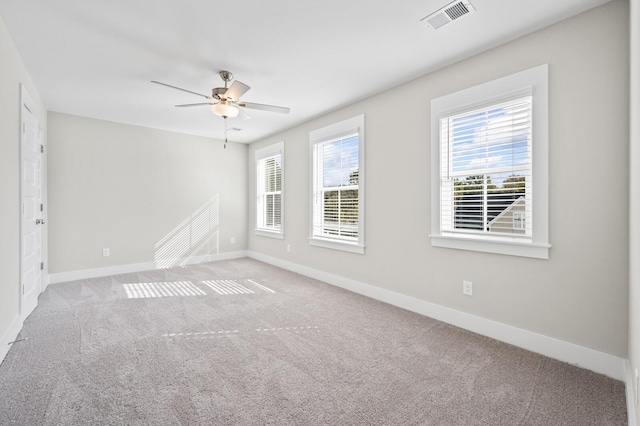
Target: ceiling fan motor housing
x=216, y=92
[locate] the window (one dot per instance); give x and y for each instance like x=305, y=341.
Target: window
x=490, y=162
x=269, y=171
x=337, y=213
x=518, y=221
x=486, y=166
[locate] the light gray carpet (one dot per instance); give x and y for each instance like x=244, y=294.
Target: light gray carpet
x=242, y=342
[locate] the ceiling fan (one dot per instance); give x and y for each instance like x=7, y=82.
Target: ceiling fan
x=225, y=101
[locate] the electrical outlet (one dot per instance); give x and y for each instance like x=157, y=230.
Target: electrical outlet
x=233, y=240
x=288, y=248
x=467, y=288
x=105, y=252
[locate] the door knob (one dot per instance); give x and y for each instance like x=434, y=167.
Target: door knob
x=40, y=221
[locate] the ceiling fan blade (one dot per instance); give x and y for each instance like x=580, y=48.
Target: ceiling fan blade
x=236, y=90
x=243, y=114
x=263, y=107
x=192, y=105
x=179, y=88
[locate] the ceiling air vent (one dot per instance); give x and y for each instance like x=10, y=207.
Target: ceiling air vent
x=448, y=14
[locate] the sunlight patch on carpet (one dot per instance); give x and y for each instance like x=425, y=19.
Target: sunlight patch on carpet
x=225, y=287
x=200, y=335
x=293, y=330
x=162, y=289
x=261, y=286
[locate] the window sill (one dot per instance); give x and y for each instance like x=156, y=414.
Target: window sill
x=510, y=248
x=337, y=245
x=271, y=234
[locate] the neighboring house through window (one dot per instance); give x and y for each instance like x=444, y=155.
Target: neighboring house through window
x=337, y=195
x=269, y=197
x=490, y=166
x=518, y=221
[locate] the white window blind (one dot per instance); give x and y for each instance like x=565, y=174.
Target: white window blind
x=486, y=170
x=336, y=195
x=269, y=190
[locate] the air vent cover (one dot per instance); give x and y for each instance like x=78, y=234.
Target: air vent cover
x=448, y=14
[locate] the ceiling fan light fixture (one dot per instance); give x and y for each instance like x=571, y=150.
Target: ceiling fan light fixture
x=225, y=110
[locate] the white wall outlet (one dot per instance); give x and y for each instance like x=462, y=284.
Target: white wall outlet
x=288, y=248
x=105, y=252
x=233, y=240
x=467, y=288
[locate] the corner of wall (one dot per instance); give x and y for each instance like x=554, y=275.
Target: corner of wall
x=630, y=393
x=9, y=336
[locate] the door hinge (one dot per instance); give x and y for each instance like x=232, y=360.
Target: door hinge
x=41, y=149
x=41, y=207
x=42, y=266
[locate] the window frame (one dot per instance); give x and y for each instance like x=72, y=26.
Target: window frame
x=260, y=155
x=535, y=81
x=333, y=132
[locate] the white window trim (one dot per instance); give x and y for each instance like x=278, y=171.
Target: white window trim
x=260, y=154
x=493, y=92
x=351, y=125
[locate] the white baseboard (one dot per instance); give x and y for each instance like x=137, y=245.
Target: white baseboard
x=10, y=335
x=139, y=267
x=631, y=394
x=580, y=356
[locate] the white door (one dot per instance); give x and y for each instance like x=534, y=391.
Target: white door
x=31, y=219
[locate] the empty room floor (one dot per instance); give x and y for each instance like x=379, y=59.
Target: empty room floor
x=243, y=342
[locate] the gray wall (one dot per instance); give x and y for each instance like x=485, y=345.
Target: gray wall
x=634, y=210
x=12, y=73
x=579, y=295
x=147, y=195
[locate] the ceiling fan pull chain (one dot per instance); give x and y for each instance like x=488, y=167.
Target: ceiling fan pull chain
x=225, y=132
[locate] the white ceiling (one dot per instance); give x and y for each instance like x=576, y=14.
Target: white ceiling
x=96, y=58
